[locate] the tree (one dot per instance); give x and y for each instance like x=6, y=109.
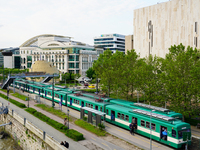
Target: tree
x=103, y=68
x=90, y=73
x=182, y=67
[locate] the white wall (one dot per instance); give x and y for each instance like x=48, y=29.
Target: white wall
x=173, y=23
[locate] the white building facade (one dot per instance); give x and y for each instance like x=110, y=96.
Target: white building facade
x=66, y=55
x=113, y=42
x=158, y=27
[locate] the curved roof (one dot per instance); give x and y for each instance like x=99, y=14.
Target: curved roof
x=33, y=41
x=43, y=66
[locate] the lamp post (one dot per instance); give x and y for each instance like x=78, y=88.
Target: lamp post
x=28, y=100
x=150, y=131
x=53, y=92
x=68, y=118
x=8, y=92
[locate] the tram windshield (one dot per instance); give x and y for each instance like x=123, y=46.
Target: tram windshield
x=180, y=133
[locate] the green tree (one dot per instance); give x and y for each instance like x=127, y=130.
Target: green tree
x=90, y=73
x=182, y=67
x=103, y=67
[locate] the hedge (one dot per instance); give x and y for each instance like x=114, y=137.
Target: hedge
x=192, y=121
x=89, y=90
x=21, y=105
x=75, y=135
x=59, y=126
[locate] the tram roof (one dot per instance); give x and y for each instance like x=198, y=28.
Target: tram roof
x=88, y=99
x=94, y=111
x=152, y=107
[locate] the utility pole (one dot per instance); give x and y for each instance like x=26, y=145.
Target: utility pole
x=97, y=84
x=53, y=93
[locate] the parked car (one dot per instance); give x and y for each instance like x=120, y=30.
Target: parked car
x=91, y=86
x=86, y=84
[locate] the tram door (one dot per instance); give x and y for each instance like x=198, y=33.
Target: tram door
x=96, y=107
x=45, y=93
x=82, y=104
x=70, y=101
x=39, y=91
x=61, y=99
x=163, y=133
x=112, y=115
x=134, y=120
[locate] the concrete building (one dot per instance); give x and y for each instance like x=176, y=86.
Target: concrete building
x=158, y=27
x=128, y=43
x=12, y=61
x=65, y=54
x=111, y=41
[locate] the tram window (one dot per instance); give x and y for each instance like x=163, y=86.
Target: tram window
x=49, y=93
x=107, y=111
x=101, y=109
x=122, y=116
x=88, y=105
x=91, y=106
x=147, y=125
x=78, y=102
x=118, y=115
x=173, y=133
x=143, y=123
x=127, y=118
x=153, y=126
x=180, y=133
x=56, y=95
x=74, y=100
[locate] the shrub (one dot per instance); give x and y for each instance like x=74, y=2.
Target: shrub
x=31, y=110
x=75, y=135
x=21, y=105
x=193, y=122
x=101, y=126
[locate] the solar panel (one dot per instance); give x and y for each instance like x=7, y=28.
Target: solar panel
x=153, y=115
x=152, y=107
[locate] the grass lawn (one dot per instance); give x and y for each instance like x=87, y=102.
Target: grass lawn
x=5, y=90
x=56, y=112
x=90, y=127
x=22, y=97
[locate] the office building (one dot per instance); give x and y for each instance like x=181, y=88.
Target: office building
x=113, y=42
x=128, y=43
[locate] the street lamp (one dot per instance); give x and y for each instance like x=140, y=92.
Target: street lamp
x=28, y=100
x=68, y=118
x=150, y=131
x=53, y=92
x=8, y=92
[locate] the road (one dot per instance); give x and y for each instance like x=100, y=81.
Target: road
x=137, y=140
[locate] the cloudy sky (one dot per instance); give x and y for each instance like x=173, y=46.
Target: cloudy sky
x=21, y=20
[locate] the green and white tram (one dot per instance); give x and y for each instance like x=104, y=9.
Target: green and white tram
x=123, y=116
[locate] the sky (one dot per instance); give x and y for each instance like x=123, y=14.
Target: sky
x=83, y=20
